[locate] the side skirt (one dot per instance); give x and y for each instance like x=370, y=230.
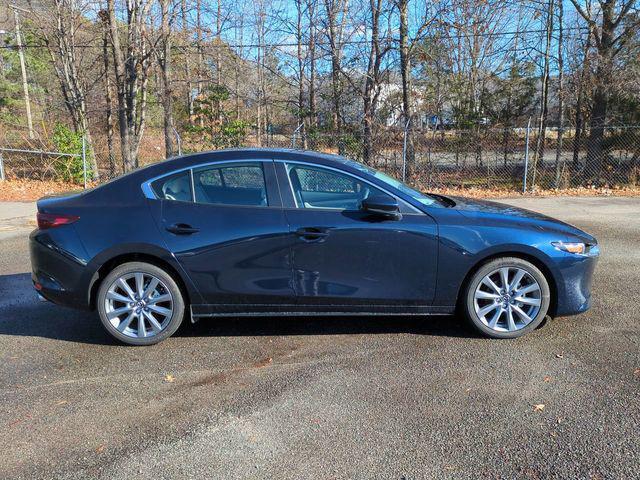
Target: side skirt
x=247, y=310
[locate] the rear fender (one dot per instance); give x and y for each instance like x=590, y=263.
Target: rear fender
x=132, y=252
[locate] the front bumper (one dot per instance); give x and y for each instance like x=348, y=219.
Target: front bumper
x=574, y=279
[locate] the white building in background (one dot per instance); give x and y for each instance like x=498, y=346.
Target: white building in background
x=390, y=108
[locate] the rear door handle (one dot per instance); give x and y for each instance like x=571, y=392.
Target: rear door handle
x=182, y=229
x=312, y=233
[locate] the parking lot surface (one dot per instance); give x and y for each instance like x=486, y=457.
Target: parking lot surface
x=363, y=397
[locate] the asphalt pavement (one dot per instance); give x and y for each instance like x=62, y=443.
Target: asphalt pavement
x=345, y=397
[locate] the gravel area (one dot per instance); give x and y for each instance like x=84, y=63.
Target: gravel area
x=346, y=397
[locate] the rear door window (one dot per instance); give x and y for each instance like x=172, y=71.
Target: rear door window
x=232, y=184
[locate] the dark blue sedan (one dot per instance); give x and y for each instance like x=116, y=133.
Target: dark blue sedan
x=279, y=232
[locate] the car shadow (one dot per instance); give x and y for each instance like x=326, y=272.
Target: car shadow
x=22, y=314
x=448, y=326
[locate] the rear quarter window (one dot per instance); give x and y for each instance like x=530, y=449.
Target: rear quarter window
x=174, y=187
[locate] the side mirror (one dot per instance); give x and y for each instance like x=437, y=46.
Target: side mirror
x=382, y=206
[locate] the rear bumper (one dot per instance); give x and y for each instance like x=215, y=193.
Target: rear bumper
x=57, y=275
x=574, y=284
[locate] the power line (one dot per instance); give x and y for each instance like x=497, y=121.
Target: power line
x=321, y=44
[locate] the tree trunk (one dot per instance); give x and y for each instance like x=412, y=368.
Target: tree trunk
x=560, y=94
x=165, y=68
x=108, y=99
x=405, y=70
x=187, y=62
x=301, y=77
x=579, y=116
x=372, y=84
x=132, y=76
x=313, y=118
x=333, y=9
x=538, y=160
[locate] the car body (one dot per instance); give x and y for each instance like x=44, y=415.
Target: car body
x=284, y=232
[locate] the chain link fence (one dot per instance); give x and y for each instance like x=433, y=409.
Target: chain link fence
x=513, y=159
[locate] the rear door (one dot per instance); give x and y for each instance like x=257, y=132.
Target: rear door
x=225, y=224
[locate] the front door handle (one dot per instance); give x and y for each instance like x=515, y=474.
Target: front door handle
x=182, y=229
x=312, y=233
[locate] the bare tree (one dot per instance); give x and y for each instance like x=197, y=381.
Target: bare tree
x=313, y=108
x=560, y=92
x=106, y=76
x=187, y=59
x=300, y=54
x=610, y=31
x=164, y=61
x=373, y=79
x=406, y=47
x=335, y=23
x=59, y=36
x=131, y=65
x=544, y=95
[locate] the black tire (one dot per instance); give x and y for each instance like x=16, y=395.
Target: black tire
x=468, y=305
x=178, y=304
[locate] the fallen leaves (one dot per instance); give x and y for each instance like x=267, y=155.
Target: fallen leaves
x=538, y=407
x=546, y=379
x=169, y=378
x=19, y=420
x=636, y=372
x=21, y=190
x=263, y=363
x=100, y=448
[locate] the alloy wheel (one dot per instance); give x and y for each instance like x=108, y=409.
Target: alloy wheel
x=138, y=305
x=507, y=299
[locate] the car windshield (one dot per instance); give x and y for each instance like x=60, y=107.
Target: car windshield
x=423, y=198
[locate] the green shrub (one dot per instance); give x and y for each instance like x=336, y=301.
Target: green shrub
x=69, y=169
x=231, y=134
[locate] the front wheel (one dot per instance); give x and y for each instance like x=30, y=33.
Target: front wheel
x=140, y=304
x=506, y=298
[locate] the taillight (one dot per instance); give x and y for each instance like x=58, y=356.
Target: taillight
x=52, y=220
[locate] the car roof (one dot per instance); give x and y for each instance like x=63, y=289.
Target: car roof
x=264, y=153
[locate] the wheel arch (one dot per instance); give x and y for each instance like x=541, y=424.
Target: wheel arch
x=117, y=260
x=527, y=256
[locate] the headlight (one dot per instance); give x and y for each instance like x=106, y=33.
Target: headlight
x=578, y=248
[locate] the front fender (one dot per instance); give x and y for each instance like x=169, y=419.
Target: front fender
x=462, y=249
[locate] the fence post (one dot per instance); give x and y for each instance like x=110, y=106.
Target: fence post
x=84, y=160
x=1, y=167
x=178, y=141
x=404, y=150
x=526, y=157
x=295, y=136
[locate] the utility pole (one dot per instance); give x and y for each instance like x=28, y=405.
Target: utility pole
x=25, y=86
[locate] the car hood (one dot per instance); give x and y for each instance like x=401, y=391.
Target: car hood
x=499, y=213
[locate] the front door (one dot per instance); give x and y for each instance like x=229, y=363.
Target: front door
x=343, y=256
x=225, y=225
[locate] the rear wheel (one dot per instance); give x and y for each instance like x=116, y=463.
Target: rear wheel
x=140, y=304
x=507, y=298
